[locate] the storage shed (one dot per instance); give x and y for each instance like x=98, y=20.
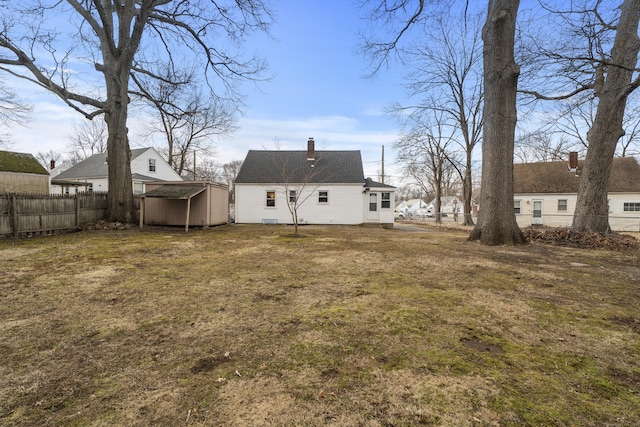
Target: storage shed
x=185, y=203
x=21, y=173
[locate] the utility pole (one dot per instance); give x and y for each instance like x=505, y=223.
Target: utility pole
x=383, y=163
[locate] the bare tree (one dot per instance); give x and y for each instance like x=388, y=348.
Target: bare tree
x=577, y=115
x=121, y=39
x=496, y=223
x=591, y=63
x=592, y=208
x=187, y=120
x=229, y=173
x=13, y=110
x=88, y=138
x=454, y=83
x=425, y=152
x=542, y=146
x=49, y=158
x=496, y=219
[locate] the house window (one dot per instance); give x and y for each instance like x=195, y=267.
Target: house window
x=89, y=188
x=271, y=198
x=516, y=207
x=152, y=165
x=632, y=207
x=293, y=197
x=323, y=197
x=385, y=203
x=562, y=204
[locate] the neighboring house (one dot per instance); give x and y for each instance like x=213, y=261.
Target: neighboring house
x=91, y=174
x=22, y=173
x=546, y=193
x=328, y=186
x=448, y=205
x=413, y=207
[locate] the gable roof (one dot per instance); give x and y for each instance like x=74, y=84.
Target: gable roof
x=555, y=177
x=329, y=167
x=94, y=166
x=11, y=161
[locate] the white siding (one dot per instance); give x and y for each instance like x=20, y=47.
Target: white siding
x=163, y=172
x=345, y=205
x=619, y=220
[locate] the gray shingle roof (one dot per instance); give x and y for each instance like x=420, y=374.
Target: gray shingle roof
x=555, y=177
x=272, y=167
x=94, y=166
x=368, y=182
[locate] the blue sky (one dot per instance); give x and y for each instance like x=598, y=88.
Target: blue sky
x=318, y=90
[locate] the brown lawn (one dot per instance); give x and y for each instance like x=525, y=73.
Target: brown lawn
x=344, y=326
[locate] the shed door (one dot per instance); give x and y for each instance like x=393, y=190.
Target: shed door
x=536, y=212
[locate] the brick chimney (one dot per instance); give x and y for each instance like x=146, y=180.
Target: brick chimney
x=311, y=149
x=573, y=161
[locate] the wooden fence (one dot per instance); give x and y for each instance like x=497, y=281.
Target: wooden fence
x=22, y=214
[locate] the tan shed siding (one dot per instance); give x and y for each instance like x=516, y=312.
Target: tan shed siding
x=211, y=207
x=12, y=182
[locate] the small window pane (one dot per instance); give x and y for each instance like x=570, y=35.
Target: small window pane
x=292, y=196
x=632, y=207
x=516, y=206
x=323, y=197
x=271, y=198
x=562, y=204
x=373, y=202
x=386, y=201
x=152, y=165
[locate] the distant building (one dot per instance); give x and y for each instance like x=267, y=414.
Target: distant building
x=329, y=186
x=91, y=174
x=546, y=193
x=22, y=173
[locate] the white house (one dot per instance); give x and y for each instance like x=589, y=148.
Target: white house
x=413, y=207
x=91, y=174
x=329, y=187
x=448, y=205
x=546, y=193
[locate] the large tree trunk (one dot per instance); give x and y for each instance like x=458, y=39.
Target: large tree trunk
x=496, y=220
x=120, y=206
x=592, y=207
x=467, y=190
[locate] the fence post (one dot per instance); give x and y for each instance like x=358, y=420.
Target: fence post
x=77, y=209
x=14, y=211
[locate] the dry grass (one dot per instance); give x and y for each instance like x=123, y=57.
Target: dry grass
x=248, y=326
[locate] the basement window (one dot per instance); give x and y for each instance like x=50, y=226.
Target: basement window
x=562, y=204
x=631, y=207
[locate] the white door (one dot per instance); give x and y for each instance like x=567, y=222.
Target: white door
x=373, y=213
x=536, y=217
